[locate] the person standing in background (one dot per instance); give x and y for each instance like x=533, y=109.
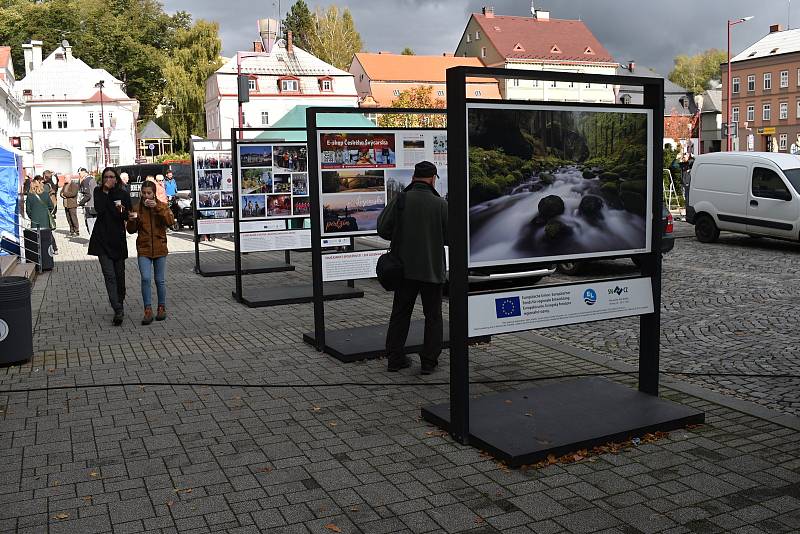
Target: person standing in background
x=51, y=184
x=170, y=185
x=88, y=185
x=123, y=178
x=39, y=208
x=69, y=194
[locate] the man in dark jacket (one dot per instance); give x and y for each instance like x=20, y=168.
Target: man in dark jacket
x=88, y=183
x=416, y=223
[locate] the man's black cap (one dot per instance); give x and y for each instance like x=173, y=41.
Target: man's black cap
x=424, y=169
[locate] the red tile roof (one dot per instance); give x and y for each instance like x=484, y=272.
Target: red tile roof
x=397, y=67
x=5, y=56
x=552, y=39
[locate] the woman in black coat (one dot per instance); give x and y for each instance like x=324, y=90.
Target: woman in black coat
x=108, y=241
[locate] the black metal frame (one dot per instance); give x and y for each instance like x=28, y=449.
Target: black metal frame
x=458, y=190
x=237, y=243
x=314, y=178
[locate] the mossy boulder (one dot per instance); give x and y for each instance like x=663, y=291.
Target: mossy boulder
x=633, y=202
x=610, y=187
x=547, y=178
x=551, y=206
x=591, y=207
x=609, y=176
x=635, y=186
x=588, y=175
x=556, y=229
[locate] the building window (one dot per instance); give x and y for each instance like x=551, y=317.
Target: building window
x=440, y=92
x=535, y=83
x=751, y=82
x=114, y=153
x=798, y=109
x=767, y=81
x=515, y=82
x=477, y=35
x=91, y=119
x=784, y=78
x=47, y=121
x=396, y=92
x=735, y=85
x=751, y=113
x=265, y=118
x=782, y=139
x=587, y=86
x=483, y=51
x=62, y=120
x=289, y=86
x=327, y=85
x=251, y=84
x=553, y=84
x=735, y=114
x=469, y=38
x=783, y=112
x=477, y=93
x=766, y=112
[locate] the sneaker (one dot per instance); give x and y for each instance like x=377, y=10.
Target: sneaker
x=161, y=313
x=118, y=317
x=393, y=367
x=148, y=315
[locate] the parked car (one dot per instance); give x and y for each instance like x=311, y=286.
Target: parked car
x=754, y=193
x=667, y=243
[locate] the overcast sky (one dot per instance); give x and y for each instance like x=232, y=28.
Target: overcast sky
x=648, y=32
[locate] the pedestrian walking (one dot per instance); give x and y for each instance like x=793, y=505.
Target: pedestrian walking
x=170, y=185
x=112, y=205
x=415, y=222
x=51, y=184
x=39, y=208
x=88, y=184
x=69, y=194
x=161, y=193
x=150, y=221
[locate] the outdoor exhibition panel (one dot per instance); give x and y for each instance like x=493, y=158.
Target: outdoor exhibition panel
x=212, y=194
x=271, y=205
x=353, y=173
x=536, y=183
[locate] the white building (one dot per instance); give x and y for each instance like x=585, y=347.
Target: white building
x=279, y=80
x=539, y=42
x=10, y=104
x=62, y=127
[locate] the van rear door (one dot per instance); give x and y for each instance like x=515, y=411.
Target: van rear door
x=773, y=207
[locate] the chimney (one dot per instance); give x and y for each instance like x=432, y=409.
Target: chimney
x=268, y=30
x=385, y=53
x=67, y=49
x=258, y=46
x=448, y=54
x=27, y=50
x=36, y=47
x=631, y=66
x=289, y=49
x=488, y=11
x=541, y=15
x=775, y=28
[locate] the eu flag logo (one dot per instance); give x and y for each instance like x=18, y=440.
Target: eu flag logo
x=508, y=307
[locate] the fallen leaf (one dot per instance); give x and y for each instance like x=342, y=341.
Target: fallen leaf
x=478, y=520
x=354, y=508
x=170, y=503
x=508, y=402
x=315, y=408
x=332, y=424
x=436, y=433
x=88, y=498
x=61, y=516
x=265, y=470
x=332, y=527
x=94, y=474
x=528, y=414
x=183, y=490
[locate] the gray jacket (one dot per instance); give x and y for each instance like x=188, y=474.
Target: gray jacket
x=87, y=190
x=423, y=234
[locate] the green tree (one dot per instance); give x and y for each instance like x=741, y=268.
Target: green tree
x=420, y=97
x=335, y=39
x=408, y=51
x=695, y=72
x=300, y=21
x=194, y=58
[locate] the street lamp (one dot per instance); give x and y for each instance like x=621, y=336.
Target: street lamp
x=731, y=23
x=100, y=86
x=698, y=100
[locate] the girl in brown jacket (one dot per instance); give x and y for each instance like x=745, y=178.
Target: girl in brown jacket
x=150, y=220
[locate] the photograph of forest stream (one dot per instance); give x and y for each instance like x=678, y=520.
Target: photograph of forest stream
x=547, y=184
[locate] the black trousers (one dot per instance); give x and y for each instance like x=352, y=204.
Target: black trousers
x=402, y=307
x=114, y=276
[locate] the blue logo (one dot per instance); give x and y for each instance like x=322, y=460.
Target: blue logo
x=508, y=307
x=589, y=297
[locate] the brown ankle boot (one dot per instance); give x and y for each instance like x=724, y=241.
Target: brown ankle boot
x=161, y=313
x=148, y=315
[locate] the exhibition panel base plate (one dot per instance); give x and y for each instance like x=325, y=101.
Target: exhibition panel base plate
x=525, y=426
x=249, y=266
x=369, y=342
x=262, y=297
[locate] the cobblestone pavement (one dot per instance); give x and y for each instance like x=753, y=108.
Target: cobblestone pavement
x=728, y=307
x=321, y=459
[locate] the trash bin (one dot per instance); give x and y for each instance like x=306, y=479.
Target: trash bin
x=16, y=324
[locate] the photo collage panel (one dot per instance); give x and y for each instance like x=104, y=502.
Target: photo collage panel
x=213, y=179
x=273, y=181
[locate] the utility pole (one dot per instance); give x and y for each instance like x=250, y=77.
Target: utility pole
x=100, y=86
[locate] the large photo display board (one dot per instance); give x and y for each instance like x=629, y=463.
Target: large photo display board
x=554, y=183
x=213, y=175
x=361, y=171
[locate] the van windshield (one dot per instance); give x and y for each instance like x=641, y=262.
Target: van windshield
x=794, y=177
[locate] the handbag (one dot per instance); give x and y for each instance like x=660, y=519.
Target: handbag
x=390, y=268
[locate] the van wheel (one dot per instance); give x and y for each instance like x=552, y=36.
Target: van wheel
x=705, y=230
x=571, y=268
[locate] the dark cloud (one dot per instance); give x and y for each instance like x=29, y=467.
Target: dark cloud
x=646, y=31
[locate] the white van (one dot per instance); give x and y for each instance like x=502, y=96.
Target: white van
x=755, y=193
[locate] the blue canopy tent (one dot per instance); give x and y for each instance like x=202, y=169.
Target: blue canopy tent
x=10, y=189
x=296, y=118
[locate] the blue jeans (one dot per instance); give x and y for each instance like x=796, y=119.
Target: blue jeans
x=146, y=268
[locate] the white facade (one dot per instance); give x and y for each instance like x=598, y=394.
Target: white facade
x=279, y=80
x=559, y=91
x=10, y=104
x=61, y=126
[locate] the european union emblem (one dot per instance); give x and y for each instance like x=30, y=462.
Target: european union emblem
x=508, y=307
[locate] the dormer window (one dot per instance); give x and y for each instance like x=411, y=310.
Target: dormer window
x=555, y=50
x=326, y=84
x=396, y=92
x=519, y=48
x=589, y=51
x=289, y=84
